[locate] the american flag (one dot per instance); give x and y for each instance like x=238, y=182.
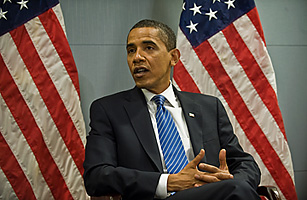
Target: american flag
x=223, y=53
x=41, y=124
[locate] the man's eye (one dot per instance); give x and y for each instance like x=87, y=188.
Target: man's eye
x=149, y=48
x=130, y=50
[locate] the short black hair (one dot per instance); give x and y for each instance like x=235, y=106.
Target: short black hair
x=167, y=35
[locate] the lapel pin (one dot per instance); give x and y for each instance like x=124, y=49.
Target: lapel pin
x=191, y=115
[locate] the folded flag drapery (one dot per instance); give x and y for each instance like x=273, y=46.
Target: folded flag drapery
x=223, y=53
x=42, y=131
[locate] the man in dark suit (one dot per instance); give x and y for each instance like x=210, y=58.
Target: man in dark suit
x=123, y=152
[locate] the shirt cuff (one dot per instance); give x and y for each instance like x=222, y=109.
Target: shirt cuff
x=161, y=191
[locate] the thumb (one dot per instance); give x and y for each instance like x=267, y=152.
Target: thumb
x=222, y=158
x=197, y=159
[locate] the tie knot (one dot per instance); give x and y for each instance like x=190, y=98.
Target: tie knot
x=159, y=100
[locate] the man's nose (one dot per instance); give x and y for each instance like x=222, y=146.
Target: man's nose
x=138, y=56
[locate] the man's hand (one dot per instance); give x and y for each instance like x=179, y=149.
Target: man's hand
x=186, y=177
x=214, y=174
x=190, y=176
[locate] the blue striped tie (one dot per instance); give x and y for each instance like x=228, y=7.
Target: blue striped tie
x=171, y=144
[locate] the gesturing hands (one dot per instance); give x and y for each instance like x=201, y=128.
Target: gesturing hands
x=190, y=176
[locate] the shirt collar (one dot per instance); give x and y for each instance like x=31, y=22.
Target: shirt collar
x=168, y=94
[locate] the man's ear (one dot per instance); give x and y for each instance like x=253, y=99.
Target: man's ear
x=175, y=53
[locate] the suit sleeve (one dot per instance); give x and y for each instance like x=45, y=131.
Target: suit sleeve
x=240, y=164
x=103, y=175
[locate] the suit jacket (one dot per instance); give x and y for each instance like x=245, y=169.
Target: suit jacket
x=122, y=156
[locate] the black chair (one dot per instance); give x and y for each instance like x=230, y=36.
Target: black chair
x=270, y=192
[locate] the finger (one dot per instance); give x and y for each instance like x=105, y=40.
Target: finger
x=224, y=176
x=197, y=159
x=207, y=178
x=222, y=158
x=199, y=184
x=208, y=168
x=210, y=178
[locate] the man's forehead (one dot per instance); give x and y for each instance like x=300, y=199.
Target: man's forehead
x=144, y=35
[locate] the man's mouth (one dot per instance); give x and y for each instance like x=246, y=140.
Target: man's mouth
x=140, y=71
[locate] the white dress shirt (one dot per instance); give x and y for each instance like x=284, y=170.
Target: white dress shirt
x=172, y=104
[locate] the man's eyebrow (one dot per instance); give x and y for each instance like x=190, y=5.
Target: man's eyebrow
x=129, y=45
x=143, y=42
x=149, y=42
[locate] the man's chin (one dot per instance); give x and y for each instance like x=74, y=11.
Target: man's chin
x=141, y=86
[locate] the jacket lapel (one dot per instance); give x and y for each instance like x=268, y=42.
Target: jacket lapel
x=193, y=117
x=136, y=108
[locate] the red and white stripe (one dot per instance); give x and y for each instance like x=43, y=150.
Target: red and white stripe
x=234, y=65
x=41, y=123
